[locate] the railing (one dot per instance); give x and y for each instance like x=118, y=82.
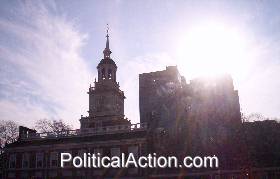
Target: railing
x=86, y=131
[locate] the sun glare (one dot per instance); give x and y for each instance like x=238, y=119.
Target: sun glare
x=211, y=49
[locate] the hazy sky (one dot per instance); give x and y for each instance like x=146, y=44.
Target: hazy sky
x=49, y=51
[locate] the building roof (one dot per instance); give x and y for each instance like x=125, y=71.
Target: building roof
x=107, y=61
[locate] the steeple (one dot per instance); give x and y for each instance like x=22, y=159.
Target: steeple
x=106, y=100
x=107, y=52
x=107, y=68
x=107, y=41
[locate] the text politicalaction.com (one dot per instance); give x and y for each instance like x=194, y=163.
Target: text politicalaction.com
x=88, y=160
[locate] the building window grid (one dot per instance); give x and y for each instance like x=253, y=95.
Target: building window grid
x=53, y=159
x=135, y=151
x=98, y=150
x=25, y=160
x=12, y=161
x=115, y=151
x=81, y=152
x=39, y=159
x=68, y=164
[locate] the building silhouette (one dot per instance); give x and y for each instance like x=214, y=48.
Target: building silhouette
x=201, y=117
x=106, y=100
x=104, y=131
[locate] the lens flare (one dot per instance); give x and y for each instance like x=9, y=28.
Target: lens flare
x=211, y=49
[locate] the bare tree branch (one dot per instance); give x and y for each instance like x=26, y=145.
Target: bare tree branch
x=55, y=126
x=8, y=132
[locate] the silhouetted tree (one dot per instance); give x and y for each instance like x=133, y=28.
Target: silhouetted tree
x=257, y=117
x=8, y=132
x=55, y=126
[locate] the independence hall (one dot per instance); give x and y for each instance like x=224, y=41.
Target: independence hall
x=177, y=118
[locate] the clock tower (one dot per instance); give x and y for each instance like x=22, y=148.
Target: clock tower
x=106, y=100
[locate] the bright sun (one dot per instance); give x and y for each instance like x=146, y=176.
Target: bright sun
x=211, y=49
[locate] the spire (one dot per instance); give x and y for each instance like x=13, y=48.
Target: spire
x=107, y=50
x=107, y=36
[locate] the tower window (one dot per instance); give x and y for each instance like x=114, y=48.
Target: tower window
x=103, y=73
x=109, y=74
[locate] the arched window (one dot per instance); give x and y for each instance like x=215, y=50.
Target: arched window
x=103, y=73
x=109, y=74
